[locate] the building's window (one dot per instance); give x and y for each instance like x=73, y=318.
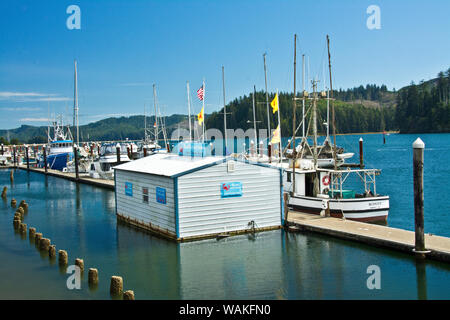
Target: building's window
x=145, y=195
x=289, y=177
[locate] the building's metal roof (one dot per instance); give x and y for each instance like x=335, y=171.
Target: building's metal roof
x=169, y=165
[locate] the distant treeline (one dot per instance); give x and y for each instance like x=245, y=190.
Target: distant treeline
x=349, y=117
x=425, y=107
x=416, y=108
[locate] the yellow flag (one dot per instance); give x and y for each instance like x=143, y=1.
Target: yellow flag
x=274, y=104
x=200, y=118
x=276, y=136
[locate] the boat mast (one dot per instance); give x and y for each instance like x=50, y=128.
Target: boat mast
x=303, y=95
x=145, y=126
x=316, y=174
x=189, y=110
x=332, y=106
x=156, y=115
x=294, y=118
x=267, y=95
x=279, y=128
x=75, y=105
x=254, y=116
x=224, y=110
x=328, y=115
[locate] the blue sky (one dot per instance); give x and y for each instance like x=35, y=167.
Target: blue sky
x=124, y=47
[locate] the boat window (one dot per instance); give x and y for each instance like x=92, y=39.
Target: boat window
x=289, y=177
x=145, y=195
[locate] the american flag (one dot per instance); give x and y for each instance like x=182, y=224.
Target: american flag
x=200, y=93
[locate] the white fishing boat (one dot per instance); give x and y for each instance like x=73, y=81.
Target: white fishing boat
x=317, y=190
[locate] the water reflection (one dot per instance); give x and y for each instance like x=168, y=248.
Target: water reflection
x=421, y=275
x=271, y=265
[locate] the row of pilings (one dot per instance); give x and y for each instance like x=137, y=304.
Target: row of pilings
x=46, y=248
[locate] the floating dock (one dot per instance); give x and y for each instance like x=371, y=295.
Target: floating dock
x=103, y=183
x=371, y=234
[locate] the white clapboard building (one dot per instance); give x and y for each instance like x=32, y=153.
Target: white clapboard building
x=187, y=198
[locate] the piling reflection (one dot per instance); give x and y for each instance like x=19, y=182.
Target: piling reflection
x=421, y=274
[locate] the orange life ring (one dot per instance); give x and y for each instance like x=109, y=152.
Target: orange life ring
x=326, y=180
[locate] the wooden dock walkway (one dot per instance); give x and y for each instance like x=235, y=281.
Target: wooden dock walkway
x=371, y=234
x=108, y=184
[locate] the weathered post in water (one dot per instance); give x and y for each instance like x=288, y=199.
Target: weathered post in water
x=28, y=158
x=269, y=152
x=45, y=158
x=145, y=152
x=14, y=156
x=2, y=149
x=418, y=151
x=75, y=153
x=118, y=153
x=116, y=286
x=361, y=154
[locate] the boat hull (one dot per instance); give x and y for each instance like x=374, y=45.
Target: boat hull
x=369, y=209
x=57, y=161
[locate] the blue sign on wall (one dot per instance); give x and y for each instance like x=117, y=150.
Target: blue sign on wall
x=160, y=195
x=129, y=189
x=231, y=189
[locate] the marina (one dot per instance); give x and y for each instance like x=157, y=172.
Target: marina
x=276, y=264
x=294, y=152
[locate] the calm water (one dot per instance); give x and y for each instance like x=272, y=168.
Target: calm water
x=273, y=265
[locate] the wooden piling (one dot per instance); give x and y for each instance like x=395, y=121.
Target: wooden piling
x=44, y=244
x=128, y=152
x=361, y=154
x=28, y=158
x=118, y=152
x=11, y=176
x=16, y=223
x=13, y=202
x=116, y=287
x=4, y=192
x=286, y=208
x=418, y=158
x=93, y=277
x=145, y=151
x=31, y=233
x=37, y=238
x=52, y=251
x=62, y=257
x=75, y=153
x=128, y=295
x=45, y=159
x=269, y=152
x=14, y=156
x=23, y=228
x=80, y=263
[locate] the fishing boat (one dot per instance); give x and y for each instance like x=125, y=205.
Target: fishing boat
x=60, y=147
x=332, y=191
